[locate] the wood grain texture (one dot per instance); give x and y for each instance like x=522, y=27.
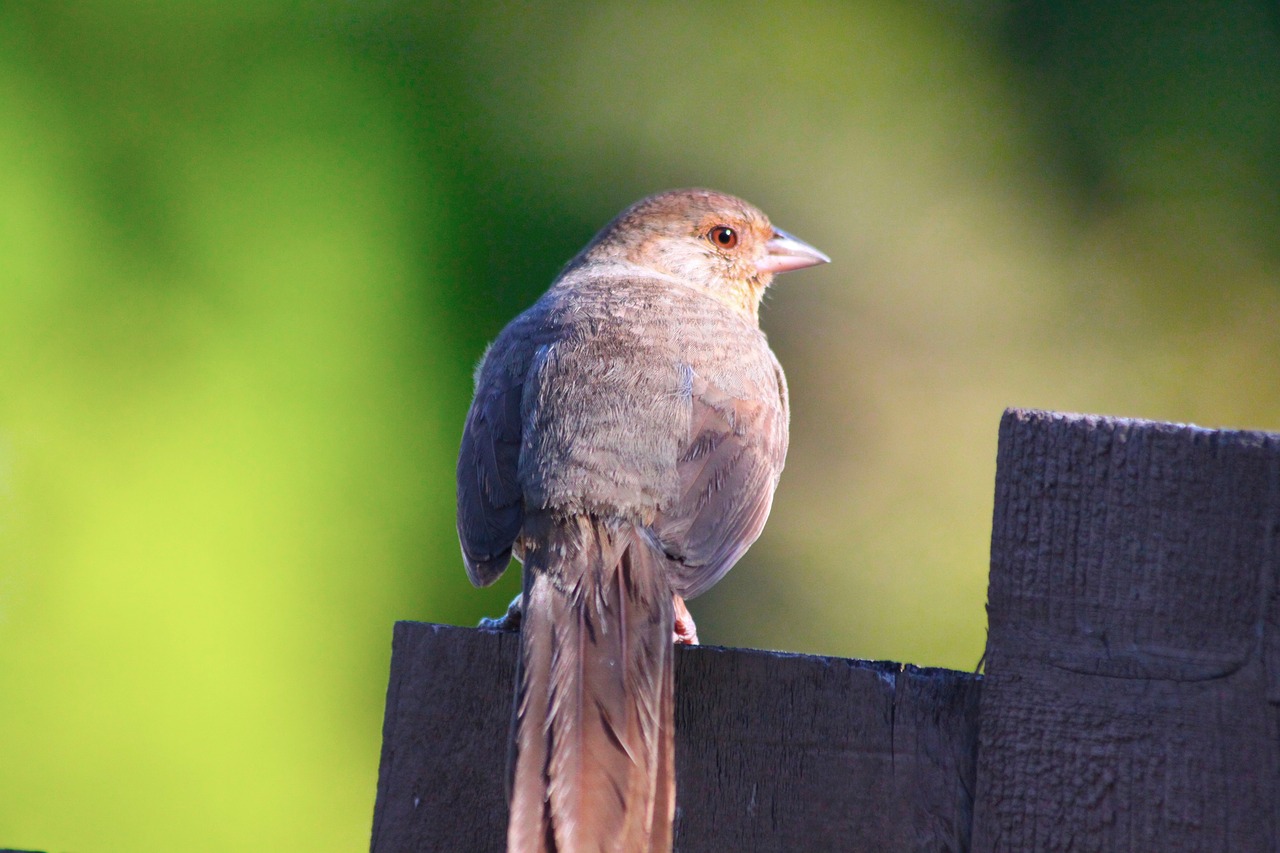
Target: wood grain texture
x=442, y=777
x=773, y=752
x=1132, y=660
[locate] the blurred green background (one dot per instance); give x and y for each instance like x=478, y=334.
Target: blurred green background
x=250, y=252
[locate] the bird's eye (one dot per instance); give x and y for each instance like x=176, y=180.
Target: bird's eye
x=723, y=236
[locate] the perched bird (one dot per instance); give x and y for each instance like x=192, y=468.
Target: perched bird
x=625, y=440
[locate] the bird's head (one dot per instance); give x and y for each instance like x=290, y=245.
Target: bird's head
x=707, y=240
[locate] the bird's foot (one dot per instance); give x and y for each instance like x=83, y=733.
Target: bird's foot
x=509, y=621
x=686, y=633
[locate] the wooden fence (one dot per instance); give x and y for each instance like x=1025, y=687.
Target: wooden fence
x=1131, y=699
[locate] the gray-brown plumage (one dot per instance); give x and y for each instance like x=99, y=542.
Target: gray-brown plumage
x=624, y=442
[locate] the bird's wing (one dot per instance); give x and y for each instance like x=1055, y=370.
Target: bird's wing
x=728, y=471
x=490, y=502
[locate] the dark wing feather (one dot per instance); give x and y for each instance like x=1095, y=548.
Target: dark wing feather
x=728, y=472
x=490, y=502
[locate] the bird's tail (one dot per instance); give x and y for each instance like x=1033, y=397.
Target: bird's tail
x=594, y=755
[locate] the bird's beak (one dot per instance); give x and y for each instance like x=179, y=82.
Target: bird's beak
x=786, y=253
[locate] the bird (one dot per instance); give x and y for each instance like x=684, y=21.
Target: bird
x=624, y=441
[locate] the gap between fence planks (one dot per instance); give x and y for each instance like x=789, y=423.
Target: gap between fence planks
x=1132, y=696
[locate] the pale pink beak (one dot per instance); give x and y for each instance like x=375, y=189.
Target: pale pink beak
x=786, y=253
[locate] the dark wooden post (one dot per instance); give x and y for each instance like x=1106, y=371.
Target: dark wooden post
x=1133, y=661
x=773, y=752
x=1132, y=696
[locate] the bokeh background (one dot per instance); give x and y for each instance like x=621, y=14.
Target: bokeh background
x=250, y=253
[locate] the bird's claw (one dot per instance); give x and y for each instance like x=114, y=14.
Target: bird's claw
x=509, y=621
x=685, y=633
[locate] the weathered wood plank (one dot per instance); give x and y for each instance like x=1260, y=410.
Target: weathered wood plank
x=1133, y=639
x=773, y=752
x=444, y=740
x=789, y=752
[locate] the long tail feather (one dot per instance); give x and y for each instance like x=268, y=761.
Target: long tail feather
x=594, y=747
